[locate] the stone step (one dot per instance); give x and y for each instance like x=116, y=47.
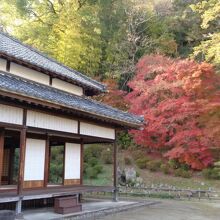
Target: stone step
x=69, y=201
x=7, y=215
x=68, y=210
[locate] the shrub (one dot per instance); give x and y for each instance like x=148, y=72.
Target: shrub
x=184, y=167
x=107, y=156
x=141, y=162
x=91, y=173
x=93, y=161
x=128, y=161
x=125, y=140
x=85, y=166
x=137, y=154
x=182, y=173
x=211, y=173
x=153, y=165
x=98, y=168
x=174, y=164
x=165, y=168
x=92, y=151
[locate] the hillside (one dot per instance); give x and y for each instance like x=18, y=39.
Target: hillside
x=156, y=178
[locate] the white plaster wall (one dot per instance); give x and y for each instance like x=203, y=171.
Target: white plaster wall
x=29, y=73
x=51, y=122
x=68, y=87
x=72, y=161
x=12, y=115
x=34, y=159
x=96, y=130
x=3, y=63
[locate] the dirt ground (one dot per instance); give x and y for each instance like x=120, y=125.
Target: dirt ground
x=172, y=210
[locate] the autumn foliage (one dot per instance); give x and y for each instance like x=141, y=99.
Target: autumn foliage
x=180, y=101
x=114, y=97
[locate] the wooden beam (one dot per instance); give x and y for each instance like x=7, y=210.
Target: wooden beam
x=115, y=165
x=24, y=117
x=64, y=162
x=81, y=161
x=8, y=66
x=47, y=160
x=2, y=140
x=22, y=160
x=115, y=184
x=11, y=166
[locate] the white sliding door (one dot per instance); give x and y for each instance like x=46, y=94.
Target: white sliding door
x=34, y=160
x=72, y=161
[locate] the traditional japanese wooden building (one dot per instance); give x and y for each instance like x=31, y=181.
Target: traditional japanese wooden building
x=44, y=104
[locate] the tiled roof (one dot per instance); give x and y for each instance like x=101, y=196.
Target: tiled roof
x=14, y=48
x=14, y=84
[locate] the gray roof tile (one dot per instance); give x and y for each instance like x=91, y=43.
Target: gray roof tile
x=14, y=48
x=15, y=84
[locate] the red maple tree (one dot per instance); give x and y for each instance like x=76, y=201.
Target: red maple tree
x=180, y=101
x=113, y=97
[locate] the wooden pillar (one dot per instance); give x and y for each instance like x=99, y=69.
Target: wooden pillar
x=11, y=166
x=47, y=161
x=81, y=162
x=64, y=162
x=2, y=141
x=115, y=196
x=22, y=160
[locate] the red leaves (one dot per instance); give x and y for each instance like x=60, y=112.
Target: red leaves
x=180, y=102
x=114, y=97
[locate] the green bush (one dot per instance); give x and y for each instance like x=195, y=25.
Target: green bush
x=165, y=168
x=141, y=162
x=107, y=156
x=98, y=168
x=153, y=165
x=91, y=173
x=128, y=161
x=137, y=154
x=211, y=173
x=125, y=140
x=92, y=151
x=85, y=166
x=93, y=161
x=182, y=173
x=174, y=164
x=184, y=167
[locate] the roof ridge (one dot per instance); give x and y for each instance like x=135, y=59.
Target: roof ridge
x=52, y=59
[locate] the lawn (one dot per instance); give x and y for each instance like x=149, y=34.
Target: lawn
x=104, y=179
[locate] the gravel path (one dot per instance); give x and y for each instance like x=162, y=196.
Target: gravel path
x=172, y=210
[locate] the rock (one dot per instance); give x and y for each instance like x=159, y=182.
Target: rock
x=130, y=174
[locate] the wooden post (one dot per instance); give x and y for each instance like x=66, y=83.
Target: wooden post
x=23, y=134
x=11, y=167
x=64, y=162
x=22, y=160
x=47, y=159
x=2, y=141
x=81, y=162
x=115, y=196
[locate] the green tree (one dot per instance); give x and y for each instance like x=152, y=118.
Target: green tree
x=209, y=48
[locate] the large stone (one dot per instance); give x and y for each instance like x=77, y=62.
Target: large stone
x=130, y=174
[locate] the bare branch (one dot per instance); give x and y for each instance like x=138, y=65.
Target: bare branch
x=81, y=3
x=51, y=5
